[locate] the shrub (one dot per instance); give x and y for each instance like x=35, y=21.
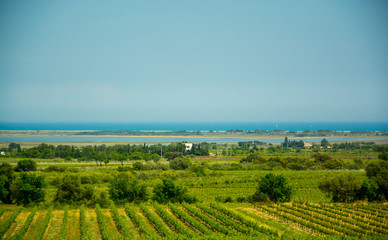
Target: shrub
x=321, y=157
x=258, y=197
x=138, y=166
x=172, y=155
x=123, y=189
x=383, y=156
x=253, y=158
x=180, y=163
x=71, y=191
x=168, y=191
x=25, y=166
x=275, y=187
x=54, y=168
x=341, y=188
x=333, y=164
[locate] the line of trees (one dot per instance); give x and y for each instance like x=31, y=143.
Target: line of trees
x=103, y=154
x=348, y=188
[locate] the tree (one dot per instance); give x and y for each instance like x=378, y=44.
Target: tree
x=71, y=191
x=138, y=166
x=383, y=156
x=369, y=190
x=180, y=163
x=123, y=189
x=25, y=166
x=378, y=172
x=275, y=187
x=342, y=187
x=172, y=155
x=6, y=178
x=321, y=157
x=168, y=191
x=28, y=189
x=253, y=158
x=14, y=147
x=325, y=143
x=333, y=164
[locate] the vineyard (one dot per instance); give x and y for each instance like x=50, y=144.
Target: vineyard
x=195, y=221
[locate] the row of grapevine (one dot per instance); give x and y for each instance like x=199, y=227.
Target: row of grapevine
x=102, y=223
x=9, y=222
x=326, y=220
x=360, y=217
x=84, y=226
x=157, y=222
x=376, y=215
x=227, y=222
x=332, y=220
x=211, y=222
x=243, y=220
x=120, y=223
x=183, y=216
x=26, y=225
x=138, y=222
x=2, y=210
x=174, y=222
x=298, y=219
x=62, y=234
x=45, y=224
x=366, y=225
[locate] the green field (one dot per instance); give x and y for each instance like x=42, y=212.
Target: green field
x=202, y=221
x=221, y=190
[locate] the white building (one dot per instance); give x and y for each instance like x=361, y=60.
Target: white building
x=188, y=146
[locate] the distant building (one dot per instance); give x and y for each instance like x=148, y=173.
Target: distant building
x=188, y=146
x=307, y=145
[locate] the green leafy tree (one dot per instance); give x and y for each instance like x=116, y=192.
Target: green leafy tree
x=123, y=189
x=383, y=156
x=253, y=158
x=180, y=163
x=25, y=166
x=378, y=172
x=369, y=190
x=333, y=164
x=138, y=166
x=342, y=187
x=172, y=155
x=321, y=157
x=325, y=143
x=275, y=187
x=71, y=191
x=6, y=178
x=28, y=188
x=168, y=191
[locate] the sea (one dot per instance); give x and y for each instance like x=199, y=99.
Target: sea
x=216, y=126
x=342, y=126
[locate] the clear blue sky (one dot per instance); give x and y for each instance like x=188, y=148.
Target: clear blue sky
x=193, y=61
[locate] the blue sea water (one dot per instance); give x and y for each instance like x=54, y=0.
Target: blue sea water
x=223, y=126
x=96, y=139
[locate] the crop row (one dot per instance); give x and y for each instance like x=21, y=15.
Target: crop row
x=324, y=220
x=367, y=224
x=181, y=221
